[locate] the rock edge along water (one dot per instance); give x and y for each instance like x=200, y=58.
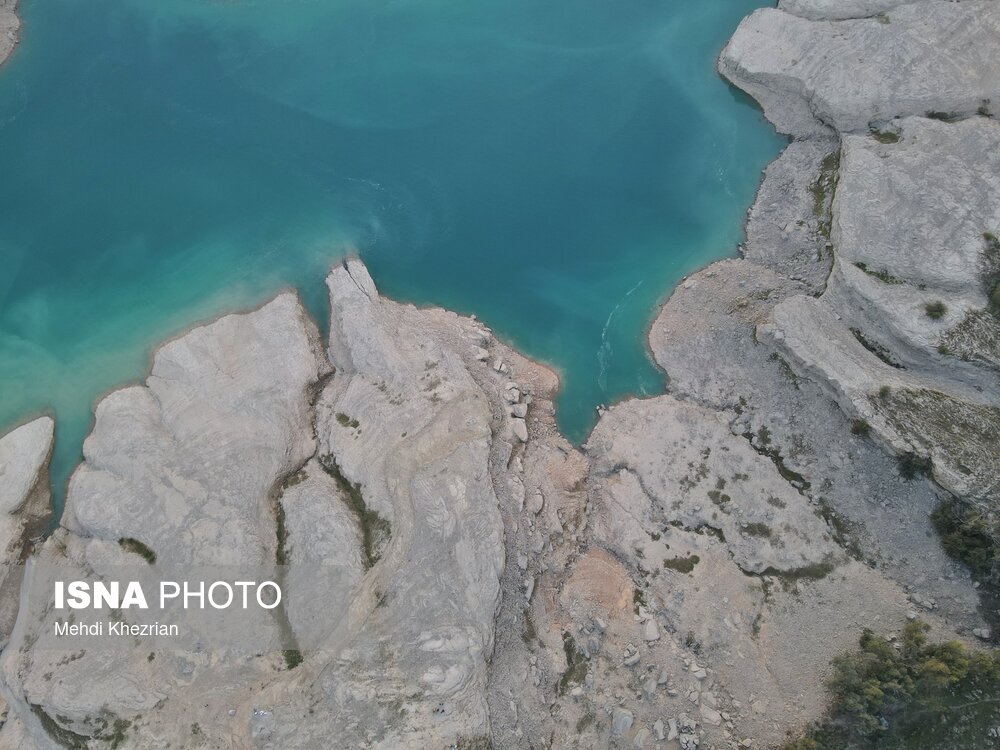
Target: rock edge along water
x=687, y=575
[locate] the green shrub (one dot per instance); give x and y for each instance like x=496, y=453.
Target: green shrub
x=375, y=530
x=860, y=427
x=682, y=564
x=134, y=545
x=971, y=536
x=293, y=657
x=758, y=529
x=879, y=273
x=576, y=664
x=911, y=694
x=935, y=310
x=913, y=465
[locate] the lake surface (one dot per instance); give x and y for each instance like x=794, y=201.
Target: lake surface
x=553, y=167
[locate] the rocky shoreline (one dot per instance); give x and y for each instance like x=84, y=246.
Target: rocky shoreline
x=10, y=27
x=684, y=579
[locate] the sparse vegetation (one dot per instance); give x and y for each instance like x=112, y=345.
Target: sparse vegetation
x=585, y=721
x=638, y=599
x=375, y=530
x=764, y=448
x=823, y=191
x=57, y=732
x=110, y=731
x=293, y=657
x=719, y=498
x=860, y=427
x=885, y=136
x=297, y=477
x=993, y=270
x=479, y=742
x=130, y=544
x=281, y=532
x=842, y=530
x=758, y=529
x=913, y=465
x=879, y=273
x=944, y=116
x=345, y=421
x=682, y=564
x=786, y=369
x=936, y=310
x=691, y=642
x=875, y=348
x=908, y=694
x=972, y=536
x=576, y=664
x=810, y=572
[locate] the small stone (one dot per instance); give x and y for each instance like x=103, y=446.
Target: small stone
x=672, y=732
x=520, y=429
x=480, y=354
x=641, y=739
x=651, y=632
x=519, y=410
x=710, y=715
x=649, y=688
x=631, y=659
x=983, y=633
x=658, y=730
x=621, y=721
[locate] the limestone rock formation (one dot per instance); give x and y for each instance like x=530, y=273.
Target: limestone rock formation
x=182, y=471
x=24, y=506
x=457, y=575
x=917, y=58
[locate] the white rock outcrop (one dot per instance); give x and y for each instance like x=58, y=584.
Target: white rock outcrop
x=814, y=76
x=24, y=506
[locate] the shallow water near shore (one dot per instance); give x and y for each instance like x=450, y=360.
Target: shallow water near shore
x=554, y=168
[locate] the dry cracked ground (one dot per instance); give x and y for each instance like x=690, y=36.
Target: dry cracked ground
x=684, y=578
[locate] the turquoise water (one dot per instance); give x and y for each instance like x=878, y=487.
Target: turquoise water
x=554, y=167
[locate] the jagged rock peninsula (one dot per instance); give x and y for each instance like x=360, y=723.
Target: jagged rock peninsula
x=683, y=579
